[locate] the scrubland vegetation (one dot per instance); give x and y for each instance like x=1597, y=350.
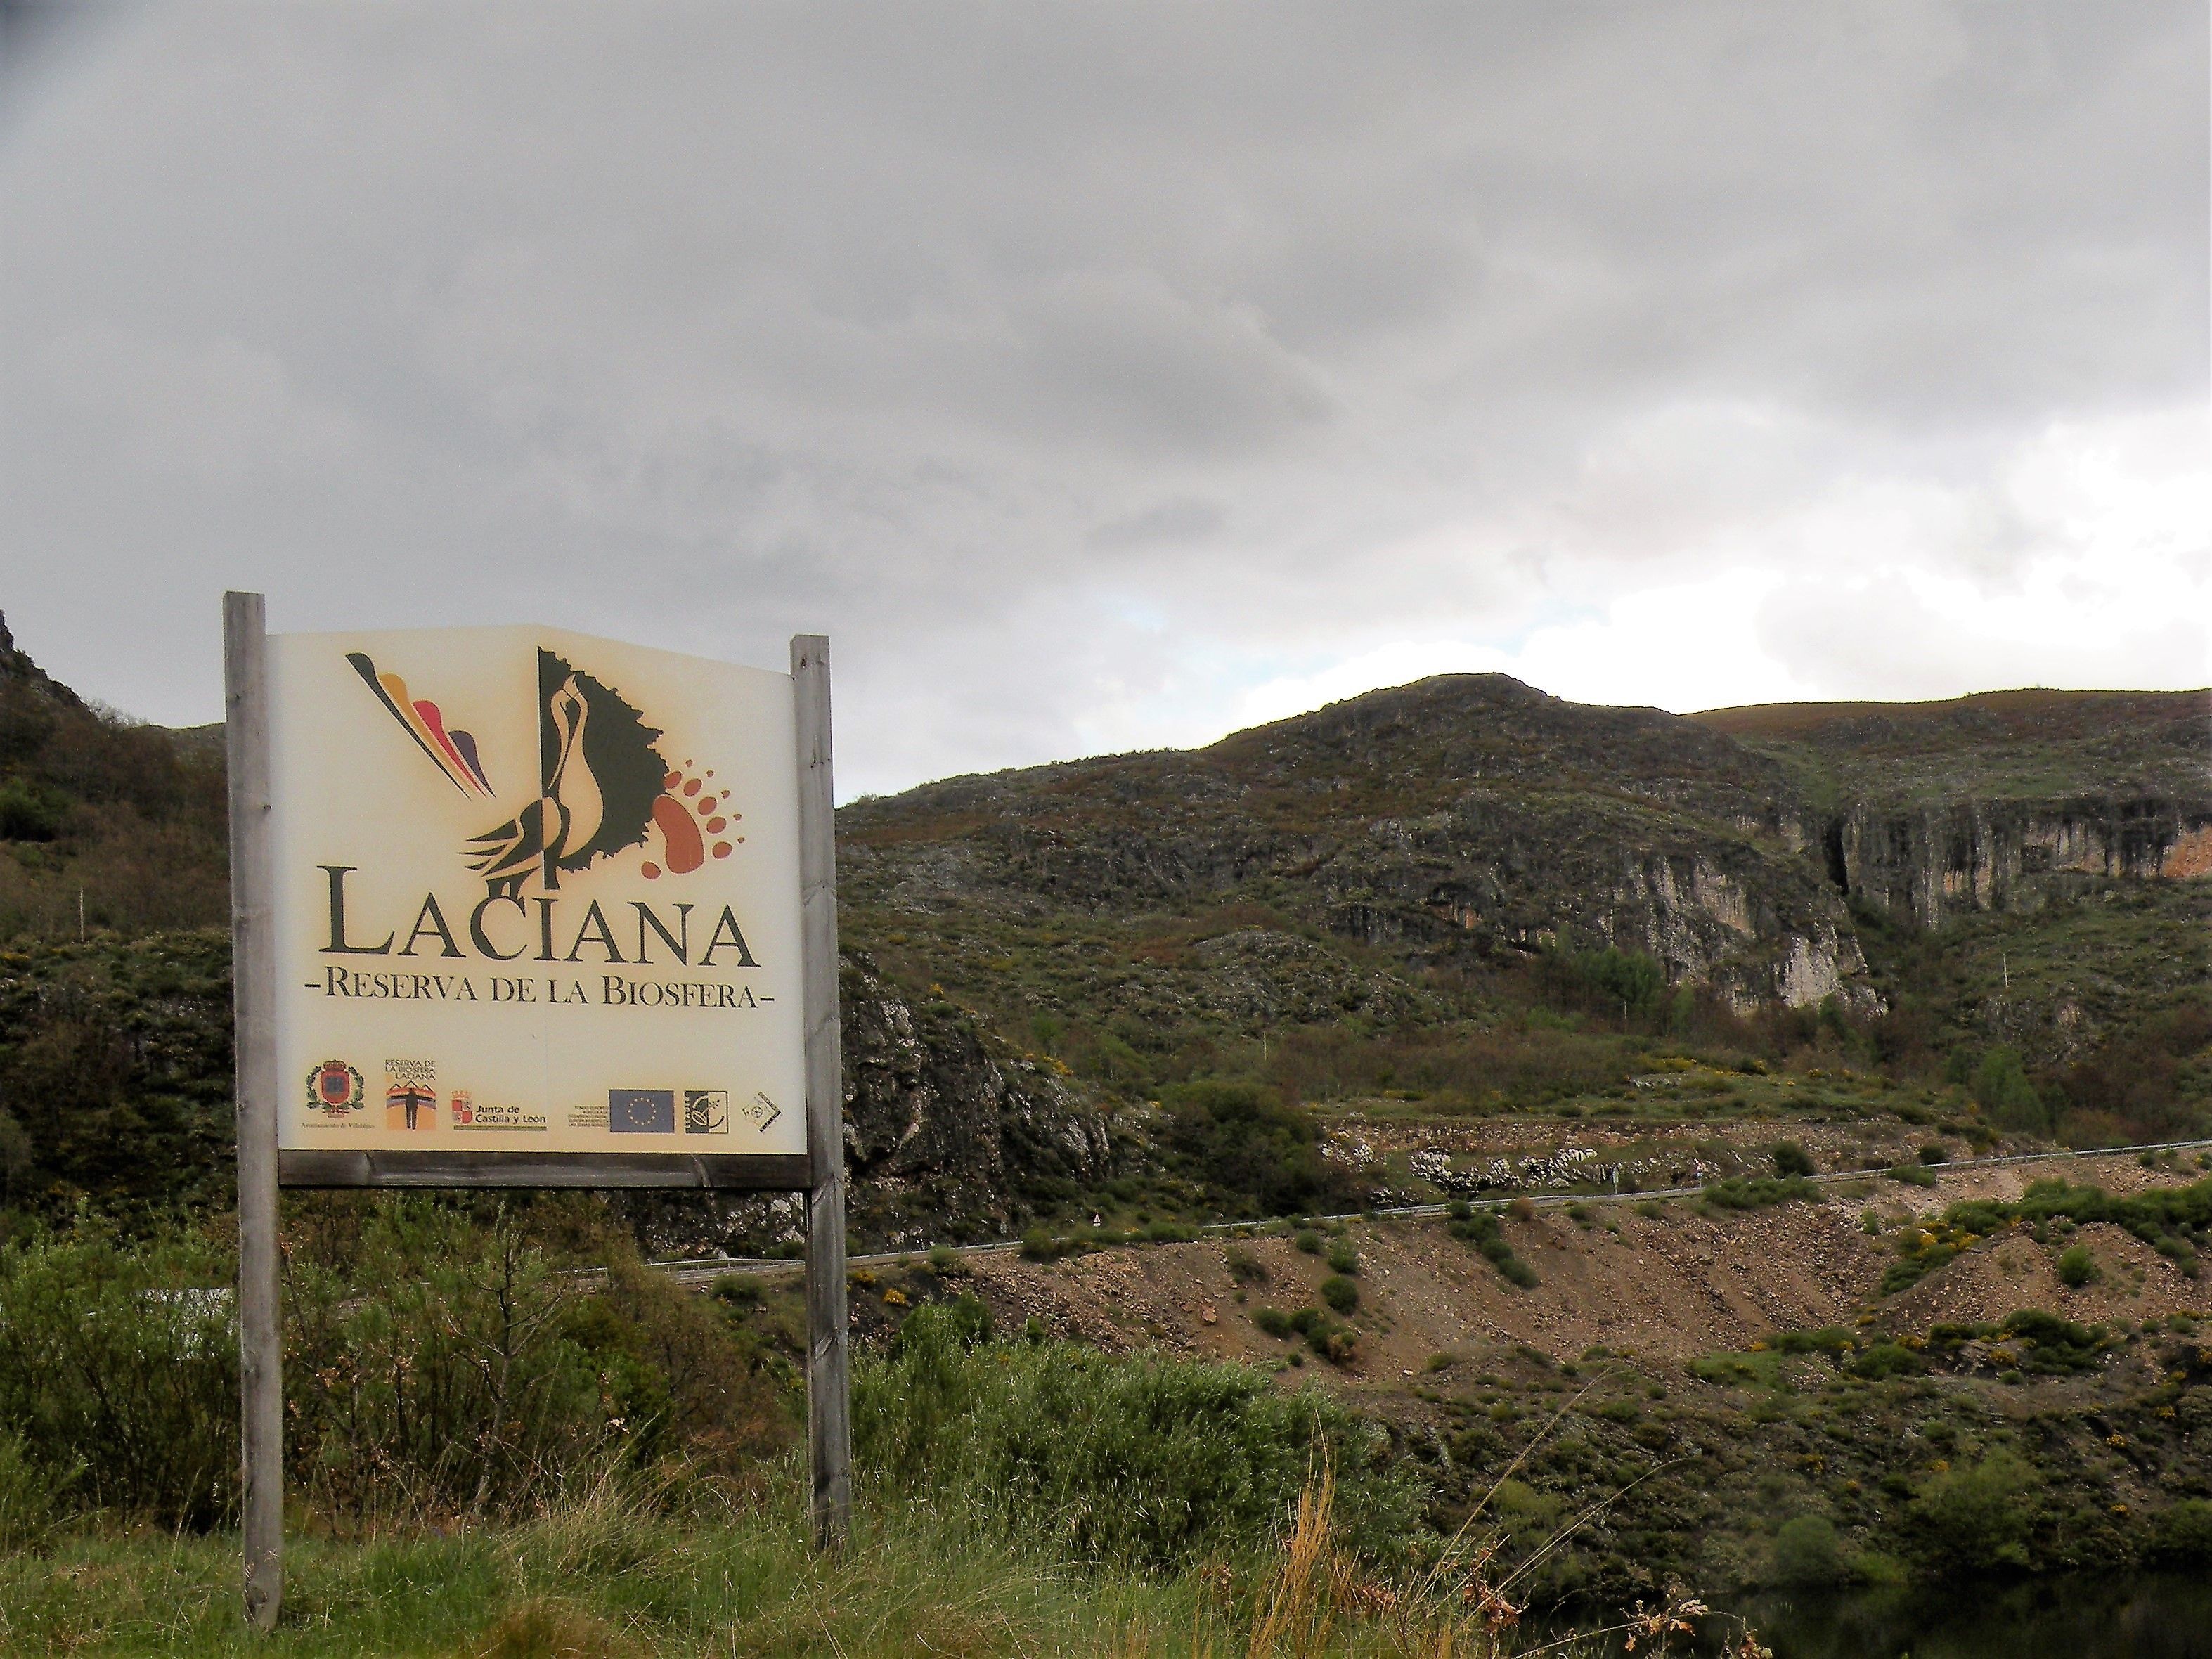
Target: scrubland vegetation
x=506, y=1437
x=521, y=1443
x=104, y=821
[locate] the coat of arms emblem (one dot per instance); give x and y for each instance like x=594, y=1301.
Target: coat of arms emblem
x=335, y=1088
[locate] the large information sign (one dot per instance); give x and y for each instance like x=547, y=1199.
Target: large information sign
x=533, y=893
x=515, y=908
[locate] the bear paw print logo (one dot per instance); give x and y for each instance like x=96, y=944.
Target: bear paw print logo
x=690, y=817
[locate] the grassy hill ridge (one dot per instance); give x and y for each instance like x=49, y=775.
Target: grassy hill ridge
x=1462, y=899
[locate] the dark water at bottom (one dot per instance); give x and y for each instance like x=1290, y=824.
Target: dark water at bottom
x=2122, y=1616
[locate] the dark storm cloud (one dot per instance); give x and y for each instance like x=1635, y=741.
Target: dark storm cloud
x=1082, y=368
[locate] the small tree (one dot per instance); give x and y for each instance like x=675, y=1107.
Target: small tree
x=2077, y=1267
x=1977, y=1519
x=2001, y=1085
x=1807, y=1551
x=1792, y=1159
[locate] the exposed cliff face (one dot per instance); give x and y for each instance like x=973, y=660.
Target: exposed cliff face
x=1467, y=813
x=2006, y=801
x=944, y=1138
x=1935, y=862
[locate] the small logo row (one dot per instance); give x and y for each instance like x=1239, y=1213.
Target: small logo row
x=338, y=1091
x=652, y=1111
x=705, y=1111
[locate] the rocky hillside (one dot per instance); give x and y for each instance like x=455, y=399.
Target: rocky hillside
x=2007, y=801
x=1468, y=817
x=1463, y=816
x=1098, y=986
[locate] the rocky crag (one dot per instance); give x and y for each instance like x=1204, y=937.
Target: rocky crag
x=2006, y=801
x=943, y=1123
x=1473, y=814
x=1036, y=950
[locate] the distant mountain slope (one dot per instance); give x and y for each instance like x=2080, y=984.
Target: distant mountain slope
x=101, y=818
x=1474, y=814
x=2003, y=800
x=1364, y=869
x=1461, y=892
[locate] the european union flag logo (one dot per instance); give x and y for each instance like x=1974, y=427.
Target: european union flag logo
x=642, y=1111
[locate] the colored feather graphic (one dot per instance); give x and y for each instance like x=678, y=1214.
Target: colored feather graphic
x=454, y=751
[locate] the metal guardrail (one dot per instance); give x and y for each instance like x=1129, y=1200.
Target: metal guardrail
x=697, y=1269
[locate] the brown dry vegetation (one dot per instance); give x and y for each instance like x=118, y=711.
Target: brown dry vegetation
x=1665, y=1288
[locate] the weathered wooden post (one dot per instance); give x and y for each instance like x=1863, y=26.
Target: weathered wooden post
x=828, y=1400
x=254, y=970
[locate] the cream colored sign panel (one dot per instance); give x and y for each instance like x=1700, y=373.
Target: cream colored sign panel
x=535, y=892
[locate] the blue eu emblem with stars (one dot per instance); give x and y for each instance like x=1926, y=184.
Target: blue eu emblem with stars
x=642, y=1111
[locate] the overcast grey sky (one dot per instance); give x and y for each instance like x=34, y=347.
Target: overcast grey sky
x=1109, y=376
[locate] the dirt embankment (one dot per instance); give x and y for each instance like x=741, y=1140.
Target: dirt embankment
x=1665, y=1286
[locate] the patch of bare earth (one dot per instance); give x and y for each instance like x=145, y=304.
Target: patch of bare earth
x=1668, y=1287
x=1665, y=1287
x=2008, y=1273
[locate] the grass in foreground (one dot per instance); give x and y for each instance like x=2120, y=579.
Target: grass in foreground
x=604, y=1576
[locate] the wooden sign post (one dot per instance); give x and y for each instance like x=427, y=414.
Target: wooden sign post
x=829, y=1394
x=588, y=938
x=253, y=996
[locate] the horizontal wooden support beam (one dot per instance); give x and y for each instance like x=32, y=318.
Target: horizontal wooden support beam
x=770, y=1172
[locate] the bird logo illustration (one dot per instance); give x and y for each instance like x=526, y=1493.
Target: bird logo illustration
x=602, y=787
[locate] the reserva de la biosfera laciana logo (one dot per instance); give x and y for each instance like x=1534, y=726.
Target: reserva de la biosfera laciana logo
x=604, y=786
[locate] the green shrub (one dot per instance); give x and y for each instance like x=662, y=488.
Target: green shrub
x=118, y=1374
x=1792, y=1159
x=1934, y=1153
x=2001, y=1085
x=1275, y=1321
x=1308, y=1241
x=2182, y=1535
x=1253, y=1149
x=740, y=1290
x=1806, y=1552
x=2058, y=1346
x=1338, y=1344
x=30, y=1494
x=1886, y=1359
x=1140, y=1460
x=1745, y=1370
x=31, y=812
x=1911, y=1175
x=1976, y=1518
x=1342, y=1258
x=1244, y=1265
x=1761, y=1192
x=1487, y=1233
x=482, y=1375
x=435, y=1363
x=1610, y=980
x=2077, y=1267
x=1341, y=1294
